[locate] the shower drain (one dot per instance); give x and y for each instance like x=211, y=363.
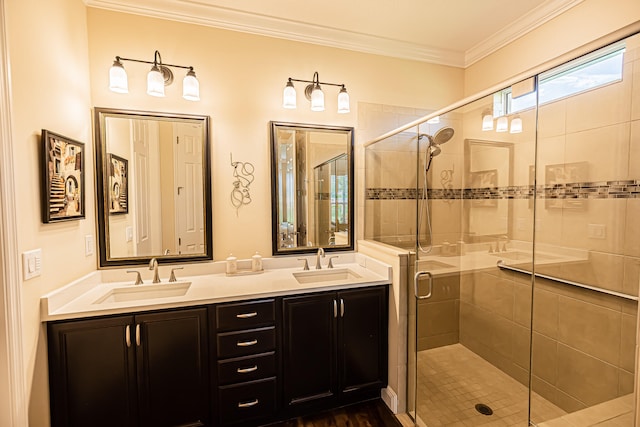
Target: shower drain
x=484, y=409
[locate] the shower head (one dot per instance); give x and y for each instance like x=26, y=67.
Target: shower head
x=434, y=150
x=443, y=135
x=440, y=137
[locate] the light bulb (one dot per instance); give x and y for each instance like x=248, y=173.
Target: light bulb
x=191, y=87
x=289, y=96
x=502, y=125
x=118, y=78
x=317, y=99
x=516, y=125
x=155, y=82
x=343, y=101
x=487, y=122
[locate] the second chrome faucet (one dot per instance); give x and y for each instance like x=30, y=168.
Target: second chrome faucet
x=153, y=265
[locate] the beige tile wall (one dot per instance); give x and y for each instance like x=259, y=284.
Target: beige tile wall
x=583, y=341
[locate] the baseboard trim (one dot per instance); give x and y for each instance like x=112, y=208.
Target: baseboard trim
x=390, y=398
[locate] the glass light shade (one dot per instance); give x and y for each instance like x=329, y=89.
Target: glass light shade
x=343, y=101
x=516, y=125
x=191, y=87
x=317, y=99
x=118, y=78
x=289, y=96
x=487, y=122
x=155, y=82
x=502, y=125
x=434, y=120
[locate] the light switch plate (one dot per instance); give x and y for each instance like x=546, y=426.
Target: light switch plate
x=32, y=263
x=88, y=245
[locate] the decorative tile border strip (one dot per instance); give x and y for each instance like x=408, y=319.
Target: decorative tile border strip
x=624, y=189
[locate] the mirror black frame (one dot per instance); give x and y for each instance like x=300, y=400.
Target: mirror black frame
x=274, y=190
x=102, y=212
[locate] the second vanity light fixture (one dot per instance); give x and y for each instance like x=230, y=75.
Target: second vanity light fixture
x=313, y=93
x=502, y=123
x=158, y=77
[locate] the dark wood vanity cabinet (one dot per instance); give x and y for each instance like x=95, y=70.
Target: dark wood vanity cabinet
x=142, y=370
x=245, y=345
x=230, y=364
x=334, y=347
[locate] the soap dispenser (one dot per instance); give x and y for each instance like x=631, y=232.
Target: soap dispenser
x=256, y=262
x=232, y=264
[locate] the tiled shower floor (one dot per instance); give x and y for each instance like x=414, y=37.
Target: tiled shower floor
x=453, y=379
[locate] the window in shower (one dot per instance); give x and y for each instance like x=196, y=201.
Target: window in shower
x=580, y=75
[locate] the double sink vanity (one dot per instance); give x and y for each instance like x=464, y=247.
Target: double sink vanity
x=217, y=349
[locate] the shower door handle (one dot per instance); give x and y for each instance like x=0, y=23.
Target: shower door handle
x=416, y=278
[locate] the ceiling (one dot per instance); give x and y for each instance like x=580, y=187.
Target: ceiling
x=448, y=32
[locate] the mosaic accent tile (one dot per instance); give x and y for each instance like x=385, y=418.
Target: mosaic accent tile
x=624, y=189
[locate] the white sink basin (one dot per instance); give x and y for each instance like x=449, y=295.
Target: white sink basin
x=328, y=275
x=144, y=292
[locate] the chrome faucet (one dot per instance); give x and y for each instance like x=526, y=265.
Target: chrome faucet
x=153, y=265
x=318, y=255
x=504, y=239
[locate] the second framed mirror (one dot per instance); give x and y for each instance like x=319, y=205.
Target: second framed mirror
x=312, y=188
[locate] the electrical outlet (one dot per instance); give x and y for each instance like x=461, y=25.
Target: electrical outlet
x=88, y=245
x=32, y=263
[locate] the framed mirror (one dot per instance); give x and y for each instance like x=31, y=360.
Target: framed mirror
x=153, y=174
x=311, y=188
x=488, y=167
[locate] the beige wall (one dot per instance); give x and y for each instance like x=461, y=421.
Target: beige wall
x=580, y=25
x=50, y=90
x=241, y=80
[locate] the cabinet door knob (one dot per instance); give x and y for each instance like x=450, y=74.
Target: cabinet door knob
x=247, y=315
x=246, y=343
x=247, y=404
x=247, y=370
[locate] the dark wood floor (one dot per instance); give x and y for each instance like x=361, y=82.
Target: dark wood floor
x=373, y=413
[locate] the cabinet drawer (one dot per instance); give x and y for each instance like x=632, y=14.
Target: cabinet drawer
x=243, y=343
x=247, y=368
x=244, y=402
x=245, y=315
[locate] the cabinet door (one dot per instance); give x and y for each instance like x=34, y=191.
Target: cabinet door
x=172, y=368
x=92, y=373
x=309, y=374
x=363, y=340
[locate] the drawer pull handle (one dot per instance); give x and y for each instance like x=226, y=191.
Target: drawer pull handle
x=246, y=343
x=247, y=370
x=247, y=315
x=247, y=404
x=127, y=335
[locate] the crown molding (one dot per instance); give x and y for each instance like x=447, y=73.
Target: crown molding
x=203, y=13
x=518, y=28
x=195, y=12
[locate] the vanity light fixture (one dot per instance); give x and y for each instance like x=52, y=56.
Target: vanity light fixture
x=313, y=92
x=158, y=77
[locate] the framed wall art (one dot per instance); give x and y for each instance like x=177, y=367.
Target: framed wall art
x=118, y=185
x=63, y=172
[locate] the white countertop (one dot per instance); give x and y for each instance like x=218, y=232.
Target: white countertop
x=209, y=284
